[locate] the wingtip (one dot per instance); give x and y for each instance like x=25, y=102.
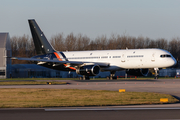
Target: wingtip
x=15, y=58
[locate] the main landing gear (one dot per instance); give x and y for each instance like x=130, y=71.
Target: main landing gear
x=112, y=76
x=84, y=78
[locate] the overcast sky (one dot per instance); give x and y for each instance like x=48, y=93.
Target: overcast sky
x=149, y=18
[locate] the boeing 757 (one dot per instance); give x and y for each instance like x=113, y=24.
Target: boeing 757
x=136, y=62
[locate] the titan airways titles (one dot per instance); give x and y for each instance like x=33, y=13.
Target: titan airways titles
x=136, y=62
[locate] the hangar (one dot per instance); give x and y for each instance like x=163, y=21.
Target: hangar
x=5, y=55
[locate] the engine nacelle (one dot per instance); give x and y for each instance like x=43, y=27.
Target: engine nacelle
x=88, y=70
x=138, y=72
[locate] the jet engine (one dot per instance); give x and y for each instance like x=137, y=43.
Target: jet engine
x=138, y=72
x=88, y=70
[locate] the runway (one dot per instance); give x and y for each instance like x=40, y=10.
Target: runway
x=41, y=114
x=135, y=112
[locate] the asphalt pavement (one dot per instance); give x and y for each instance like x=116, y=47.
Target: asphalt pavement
x=133, y=112
x=42, y=114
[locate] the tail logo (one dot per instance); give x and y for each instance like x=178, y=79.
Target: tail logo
x=58, y=56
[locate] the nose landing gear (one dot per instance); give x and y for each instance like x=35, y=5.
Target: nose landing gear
x=156, y=70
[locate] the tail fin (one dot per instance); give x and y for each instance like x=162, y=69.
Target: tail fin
x=42, y=45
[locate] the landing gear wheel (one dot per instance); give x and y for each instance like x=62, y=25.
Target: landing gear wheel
x=84, y=78
x=112, y=76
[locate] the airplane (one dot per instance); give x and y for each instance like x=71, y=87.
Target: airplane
x=136, y=62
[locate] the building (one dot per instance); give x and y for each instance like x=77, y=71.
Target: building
x=169, y=72
x=36, y=71
x=5, y=54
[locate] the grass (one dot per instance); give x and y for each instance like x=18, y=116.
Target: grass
x=40, y=79
x=30, y=83
x=38, y=98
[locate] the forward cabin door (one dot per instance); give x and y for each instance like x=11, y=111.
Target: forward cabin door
x=153, y=57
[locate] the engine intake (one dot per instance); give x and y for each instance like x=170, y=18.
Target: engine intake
x=138, y=72
x=88, y=70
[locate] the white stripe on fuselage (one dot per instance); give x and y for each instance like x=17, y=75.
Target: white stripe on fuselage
x=126, y=59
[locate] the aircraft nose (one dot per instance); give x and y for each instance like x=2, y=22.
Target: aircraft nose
x=174, y=62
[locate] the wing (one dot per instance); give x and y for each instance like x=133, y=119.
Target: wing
x=73, y=63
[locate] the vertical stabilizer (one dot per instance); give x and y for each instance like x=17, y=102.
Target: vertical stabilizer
x=42, y=45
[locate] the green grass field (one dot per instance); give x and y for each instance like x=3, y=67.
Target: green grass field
x=38, y=98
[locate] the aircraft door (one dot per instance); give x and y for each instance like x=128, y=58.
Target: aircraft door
x=153, y=57
x=123, y=59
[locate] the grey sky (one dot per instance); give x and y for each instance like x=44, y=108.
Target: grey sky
x=149, y=18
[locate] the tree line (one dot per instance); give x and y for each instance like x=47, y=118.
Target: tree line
x=23, y=46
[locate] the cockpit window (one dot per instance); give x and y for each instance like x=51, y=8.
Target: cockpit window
x=165, y=56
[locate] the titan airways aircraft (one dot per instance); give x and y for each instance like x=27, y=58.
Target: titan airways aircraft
x=136, y=62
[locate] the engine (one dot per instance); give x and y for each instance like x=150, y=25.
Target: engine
x=138, y=72
x=88, y=70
